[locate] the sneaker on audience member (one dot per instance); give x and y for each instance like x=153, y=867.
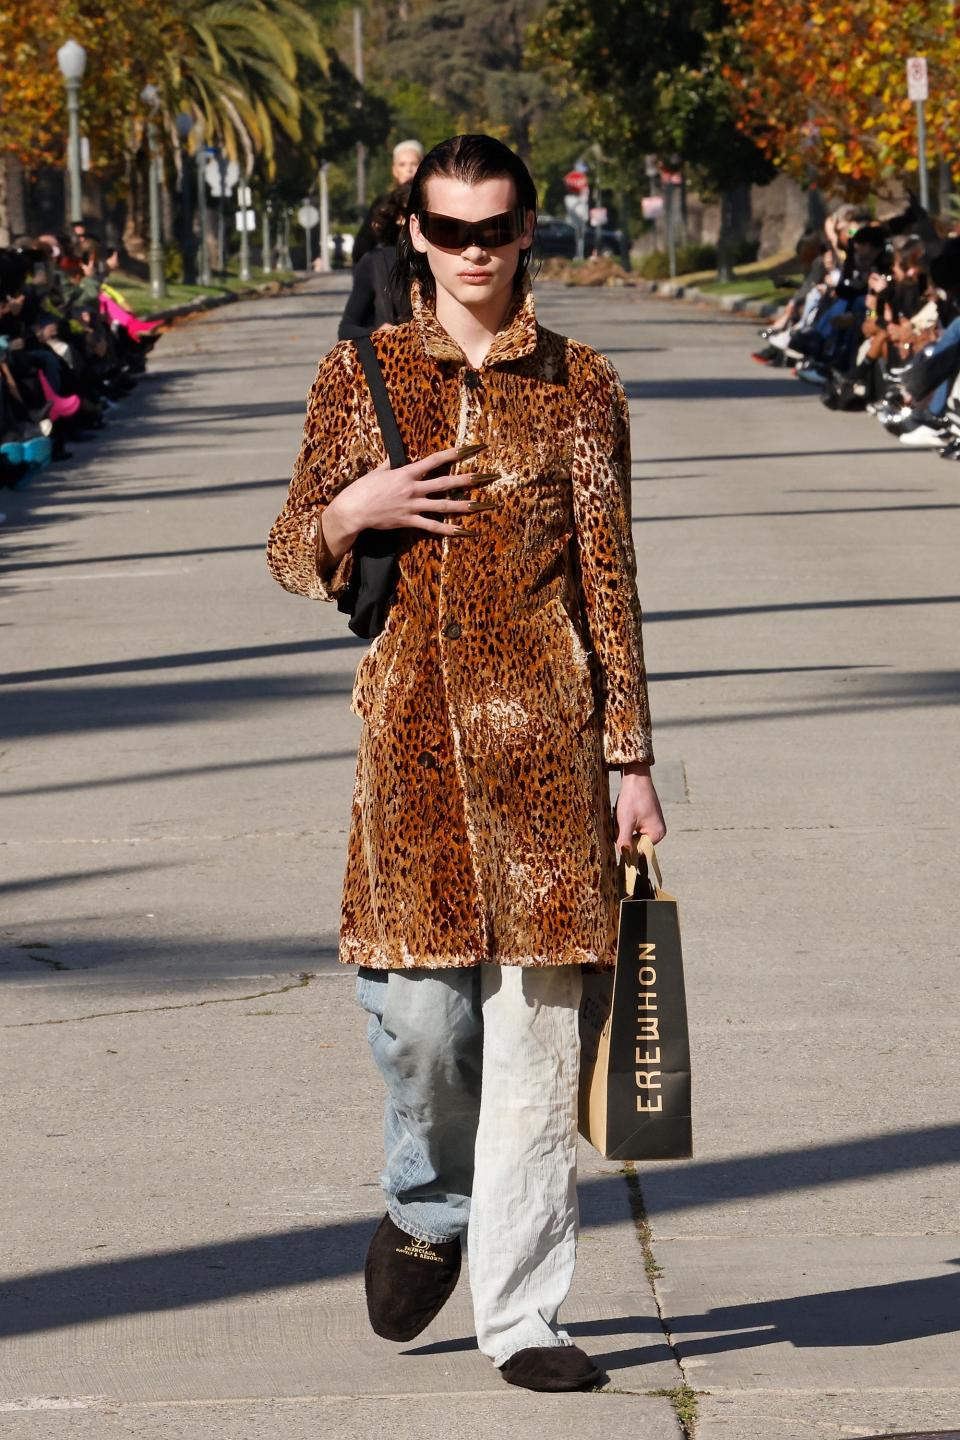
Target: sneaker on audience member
x=811, y=374
x=924, y=437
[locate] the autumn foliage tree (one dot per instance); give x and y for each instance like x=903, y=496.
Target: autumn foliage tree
x=650, y=76
x=822, y=86
x=124, y=43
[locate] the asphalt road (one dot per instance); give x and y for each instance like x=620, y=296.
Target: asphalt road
x=190, y=1121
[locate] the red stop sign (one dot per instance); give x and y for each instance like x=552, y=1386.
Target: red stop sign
x=576, y=181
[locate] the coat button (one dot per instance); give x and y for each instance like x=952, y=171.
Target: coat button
x=471, y=379
x=452, y=630
x=427, y=759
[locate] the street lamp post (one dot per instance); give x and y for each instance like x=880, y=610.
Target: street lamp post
x=204, y=276
x=72, y=59
x=266, y=252
x=222, y=215
x=324, y=216
x=184, y=124
x=246, y=198
x=150, y=95
x=284, y=262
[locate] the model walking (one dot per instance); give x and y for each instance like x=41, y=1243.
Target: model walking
x=481, y=868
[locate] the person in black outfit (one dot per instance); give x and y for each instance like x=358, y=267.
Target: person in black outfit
x=406, y=161
x=376, y=301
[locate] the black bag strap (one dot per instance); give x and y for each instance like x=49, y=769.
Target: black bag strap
x=381, y=401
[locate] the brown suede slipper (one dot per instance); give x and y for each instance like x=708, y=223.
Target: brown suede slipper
x=552, y=1367
x=408, y=1281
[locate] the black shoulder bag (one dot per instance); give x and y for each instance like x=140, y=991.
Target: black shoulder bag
x=373, y=582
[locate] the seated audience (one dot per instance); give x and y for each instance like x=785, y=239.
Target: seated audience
x=70, y=348
x=876, y=324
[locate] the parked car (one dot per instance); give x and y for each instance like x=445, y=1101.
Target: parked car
x=610, y=241
x=555, y=237
x=558, y=237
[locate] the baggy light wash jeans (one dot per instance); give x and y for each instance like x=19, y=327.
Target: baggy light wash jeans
x=480, y=1131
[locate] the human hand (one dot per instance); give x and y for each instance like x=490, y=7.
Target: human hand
x=406, y=498
x=638, y=807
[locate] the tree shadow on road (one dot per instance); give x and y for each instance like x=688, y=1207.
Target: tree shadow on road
x=715, y=387
x=79, y=709
x=306, y=1255
x=878, y=451
x=641, y=521
x=866, y=1316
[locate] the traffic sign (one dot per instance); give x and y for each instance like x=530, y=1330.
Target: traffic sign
x=251, y=219
x=212, y=175
x=576, y=181
x=577, y=208
x=308, y=215
x=917, y=86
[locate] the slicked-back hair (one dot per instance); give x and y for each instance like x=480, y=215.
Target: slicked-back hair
x=470, y=158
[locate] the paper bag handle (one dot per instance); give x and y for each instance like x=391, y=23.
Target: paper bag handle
x=644, y=845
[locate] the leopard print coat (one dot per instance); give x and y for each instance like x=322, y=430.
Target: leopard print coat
x=510, y=674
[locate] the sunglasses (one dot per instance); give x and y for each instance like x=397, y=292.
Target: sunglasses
x=489, y=234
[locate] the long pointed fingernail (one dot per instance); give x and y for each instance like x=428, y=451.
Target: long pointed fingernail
x=466, y=451
x=476, y=505
x=476, y=477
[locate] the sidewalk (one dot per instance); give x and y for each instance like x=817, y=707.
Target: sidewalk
x=191, y=1120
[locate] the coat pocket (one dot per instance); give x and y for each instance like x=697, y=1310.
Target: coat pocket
x=374, y=682
x=536, y=687
x=568, y=665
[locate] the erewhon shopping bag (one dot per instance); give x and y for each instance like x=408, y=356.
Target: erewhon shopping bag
x=635, y=1048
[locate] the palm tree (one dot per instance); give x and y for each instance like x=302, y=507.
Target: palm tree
x=234, y=65
x=238, y=70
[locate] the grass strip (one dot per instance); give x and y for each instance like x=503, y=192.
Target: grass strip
x=641, y=1222
x=682, y=1397
x=136, y=292
x=685, y=1404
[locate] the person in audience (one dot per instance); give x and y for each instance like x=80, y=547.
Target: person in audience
x=70, y=349
x=876, y=324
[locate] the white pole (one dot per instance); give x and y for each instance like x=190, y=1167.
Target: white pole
x=265, y=257
x=244, y=233
x=922, y=148
x=73, y=150
x=324, y=218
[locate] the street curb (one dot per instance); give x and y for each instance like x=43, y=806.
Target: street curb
x=675, y=290
x=730, y=304
x=214, y=302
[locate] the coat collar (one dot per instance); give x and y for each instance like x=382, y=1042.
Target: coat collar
x=517, y=336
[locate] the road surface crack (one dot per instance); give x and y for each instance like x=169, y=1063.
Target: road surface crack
x=302, y=980
x=682, y=1397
